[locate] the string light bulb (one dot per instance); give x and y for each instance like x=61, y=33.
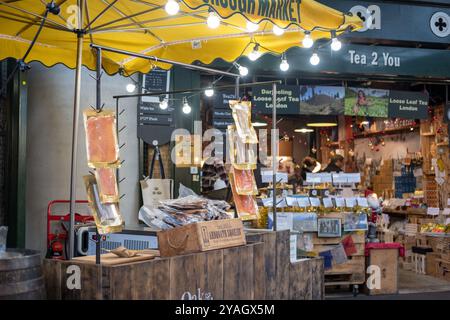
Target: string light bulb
x=252, y=27
x=131, y=87
x=307, y=41
x=336, y=45
x=255, y=54
x=163, y=105
x=284, y=65
x=277, y=30
x=172, y=7
x=213, y=20
x=243, y=71
x=186, y=107
x=209, y=92
x=315, y=59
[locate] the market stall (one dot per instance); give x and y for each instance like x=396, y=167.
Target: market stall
x=103, y=155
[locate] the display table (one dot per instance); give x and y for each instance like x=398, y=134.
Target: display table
x=385, y=257
x=259, y=270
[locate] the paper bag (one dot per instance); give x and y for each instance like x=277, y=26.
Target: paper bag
x=155, y=190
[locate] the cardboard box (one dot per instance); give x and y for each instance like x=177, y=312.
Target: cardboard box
x=431, y=264
x=201, y=236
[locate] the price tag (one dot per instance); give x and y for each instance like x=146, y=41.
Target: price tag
x=303, y=202
x=433, y=211
x=362, y=202
x=339, y=178
x=446, y=212
x=350, y=202
x=327, y=202
x=291, y=202
x=293, y=247
x=315, y=202
x=340, y=202
x=353, y=177
x=448, y=201
x=284, y=221
x=313, y=178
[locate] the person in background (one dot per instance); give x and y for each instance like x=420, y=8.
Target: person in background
x=336, y=164
x=308, y=166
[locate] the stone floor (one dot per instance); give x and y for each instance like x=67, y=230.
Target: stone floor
x=412, y=286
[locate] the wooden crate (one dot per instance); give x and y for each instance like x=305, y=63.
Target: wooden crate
x=278, y=277
x=218, y=274
x=387, y=261
x=431, y=267
x=201, y=236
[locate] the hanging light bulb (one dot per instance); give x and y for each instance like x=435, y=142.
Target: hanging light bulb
x=252, y=27
x=186, y=107
x=255, y=54
x=307, y=42
x=277, y=30
x=163, y=105
x=243, y=71
x=314, y=60
x=284, y=65
x=336, y=45
x=209, y=92
x=131, y=87
x=213, y=20
x=172, y=7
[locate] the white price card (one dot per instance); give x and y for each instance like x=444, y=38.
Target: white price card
x=350, y=202
x=340, y=202
x=303, y=202
x=327, y=202
x=284, y=221
x=353, y=177
x=313, y=178
x=291, y=202
x=339, y=178
x=268, y=202
x=448, y=201
x=293, y=247
x=433, y=211
x=315, y=202
x=446, y=212
x=362, y=202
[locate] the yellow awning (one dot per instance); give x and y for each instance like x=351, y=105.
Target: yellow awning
x=145, y=27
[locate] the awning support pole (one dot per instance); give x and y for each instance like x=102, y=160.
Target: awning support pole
x=98, y=107
x=76, y=112
x=274, y=154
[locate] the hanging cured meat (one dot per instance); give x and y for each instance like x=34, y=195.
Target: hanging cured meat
x=245, y=182
x=242, y=115
x=246, y=205
x=107, y=184
x=101, y=139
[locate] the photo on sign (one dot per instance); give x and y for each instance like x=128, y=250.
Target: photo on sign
x=304, y=222
x=366, y=102
x=329, y=228
x=355, y=222
x=322, y=100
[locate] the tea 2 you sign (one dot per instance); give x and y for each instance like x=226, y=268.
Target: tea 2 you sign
x=288, y=99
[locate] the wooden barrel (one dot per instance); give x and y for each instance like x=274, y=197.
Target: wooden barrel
x=21, y=275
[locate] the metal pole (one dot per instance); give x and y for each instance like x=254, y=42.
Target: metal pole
x=236, y=89
x=274, y=154
x=98, y=106
x=156, y=59
x=76, y=111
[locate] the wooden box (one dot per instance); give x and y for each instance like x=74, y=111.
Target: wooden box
x=431, y=267
x=387, y=261
x=218, y=274
x=201, y=236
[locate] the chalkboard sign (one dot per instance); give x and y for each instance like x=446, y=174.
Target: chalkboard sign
x=156, y=80
x=288, y=99
x=153, y=122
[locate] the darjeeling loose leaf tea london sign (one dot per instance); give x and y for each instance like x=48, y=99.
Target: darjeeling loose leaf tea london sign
x=408, y=105
x=288, y=99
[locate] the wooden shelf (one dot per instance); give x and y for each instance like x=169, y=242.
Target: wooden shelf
x=428, y=134
x=385, y=132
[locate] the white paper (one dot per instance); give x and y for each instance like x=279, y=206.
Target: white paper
x=448, y=201
x=268, y=202
x=446, y=212
x=350, y=202
x=327, y=202
x=362, y=202
x=313, y=178
x=447, y=221
x=291, y=202
x=433, y=211
x=353, y=177
x=339, y=178
x=284, y=221
x=303, y=202
x=340, y=202
x=267, y=176
x=315, y=202
x=293, y=247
